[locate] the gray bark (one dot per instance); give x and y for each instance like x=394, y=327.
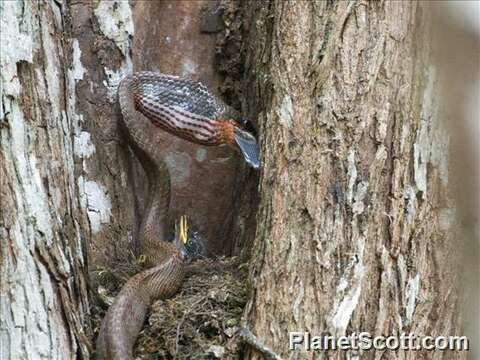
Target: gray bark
x=355, y=227
x=356, y=220
x=44, y=217
x=65, y=170
x=71, y=189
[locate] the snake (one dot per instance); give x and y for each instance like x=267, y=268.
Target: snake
x=150, y=103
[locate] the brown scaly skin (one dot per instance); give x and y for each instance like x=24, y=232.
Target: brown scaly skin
x=187, y=109
x=126, y=315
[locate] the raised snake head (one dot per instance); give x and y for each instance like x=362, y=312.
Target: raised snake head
x=248, y=146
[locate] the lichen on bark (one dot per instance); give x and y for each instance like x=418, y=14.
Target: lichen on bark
x=349, y=235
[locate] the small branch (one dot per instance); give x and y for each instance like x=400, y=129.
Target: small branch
x=258, y=345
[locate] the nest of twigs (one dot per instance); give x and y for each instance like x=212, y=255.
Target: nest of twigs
x=200, y=322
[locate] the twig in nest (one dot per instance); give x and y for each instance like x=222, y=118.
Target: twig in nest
x=180, y=323
x=207, y=266
x=258, y=345
x=177, y=337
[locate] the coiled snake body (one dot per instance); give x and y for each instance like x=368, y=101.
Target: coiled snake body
x=186, y=109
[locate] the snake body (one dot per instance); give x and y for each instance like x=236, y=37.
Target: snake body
x=185, y=109
x=126, y=315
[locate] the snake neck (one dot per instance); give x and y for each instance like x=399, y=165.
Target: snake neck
x=142, y=140
x=153, y=232
x=125, y=317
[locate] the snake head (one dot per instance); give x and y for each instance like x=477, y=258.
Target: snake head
x=236, y=134
x=247, y=143
x=244, y=138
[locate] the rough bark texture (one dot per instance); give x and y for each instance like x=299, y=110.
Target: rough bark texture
x=43, y=221
x=66, y=174
x=355, y=220
x=69, y=184
x=356, y=215
x=180, y=38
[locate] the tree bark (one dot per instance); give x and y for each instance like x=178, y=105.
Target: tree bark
x=44, y=306
x=67, y=189
x=71, y=190
x=355, y=224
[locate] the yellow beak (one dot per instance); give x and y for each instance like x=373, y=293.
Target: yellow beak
x=183, y=229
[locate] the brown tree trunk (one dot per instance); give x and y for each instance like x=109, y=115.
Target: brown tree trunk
x=355, y=220
x=356, y=215
x=70, y=187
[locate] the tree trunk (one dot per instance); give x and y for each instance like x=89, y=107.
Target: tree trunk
x=71, y=190
x=44, y=222
x=355, y=219
x=356, y=215
x=67, y=189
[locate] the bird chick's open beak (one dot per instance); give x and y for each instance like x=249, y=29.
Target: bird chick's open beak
x=248, y=145
x=183, y=229
x=181, y=236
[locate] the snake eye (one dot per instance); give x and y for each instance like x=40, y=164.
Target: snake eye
x=248, y=125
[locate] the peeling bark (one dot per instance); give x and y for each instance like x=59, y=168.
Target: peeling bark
x=44, y=305
x=355, y=225
x=67, y=172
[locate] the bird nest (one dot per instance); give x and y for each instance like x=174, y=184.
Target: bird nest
x=200, y=322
